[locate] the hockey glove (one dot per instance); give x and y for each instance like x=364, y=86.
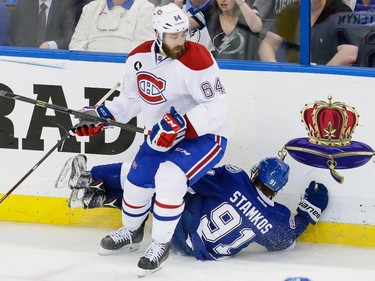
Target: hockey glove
x=170, y=130
x=92, y=128
x=314, y=202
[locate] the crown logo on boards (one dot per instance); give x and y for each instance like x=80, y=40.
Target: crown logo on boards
x=329, y=145
x=329, y=124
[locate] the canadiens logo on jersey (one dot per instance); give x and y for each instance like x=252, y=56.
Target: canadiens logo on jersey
x=151, y=88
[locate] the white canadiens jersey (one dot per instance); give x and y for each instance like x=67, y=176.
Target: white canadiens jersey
x=192, y=84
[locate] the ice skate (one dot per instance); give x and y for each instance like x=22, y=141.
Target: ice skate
x=92, y=200
x=88, y=198
x=154, y=258
x=92, y=197
x=76, y=198
x=123, y=239
x=74, y=173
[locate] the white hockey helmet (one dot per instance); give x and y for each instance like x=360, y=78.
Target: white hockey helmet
x=169, y=19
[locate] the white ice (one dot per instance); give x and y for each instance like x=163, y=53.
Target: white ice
x=64, y=253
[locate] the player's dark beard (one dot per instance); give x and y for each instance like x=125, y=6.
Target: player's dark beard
x=175, y=52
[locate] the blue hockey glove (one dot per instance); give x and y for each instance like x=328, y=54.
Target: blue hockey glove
x=170, y=130
x=91, y=128
x=314, y=202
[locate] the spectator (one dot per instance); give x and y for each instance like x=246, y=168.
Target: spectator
x=190, y=8
x=10, y=2
x=195, y=6
x=50, y=27
x=268, y=9
x=200, y=36
x=364, y=5
x=157, y=2
x=328, y=44
x=79, y=4
x=359, y=26
x=4, y=26
x=233, y=27
x=113, y=26
x=226, y=198
x=350, y=3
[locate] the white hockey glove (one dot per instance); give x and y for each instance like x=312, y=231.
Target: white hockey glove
x=314, y=202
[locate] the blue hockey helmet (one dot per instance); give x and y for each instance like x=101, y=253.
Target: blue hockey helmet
x=272, y=172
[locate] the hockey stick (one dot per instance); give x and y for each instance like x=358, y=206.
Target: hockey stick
x=64, y=138
x=60, y=142
x=76, y=113
x=107, y=95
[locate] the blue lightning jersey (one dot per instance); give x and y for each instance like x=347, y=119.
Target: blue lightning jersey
x=228, y=212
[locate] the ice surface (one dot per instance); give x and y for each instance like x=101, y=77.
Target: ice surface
x=61, y=253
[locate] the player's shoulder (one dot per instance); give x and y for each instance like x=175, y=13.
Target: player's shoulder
x=92, y=6
x=281, y=210
x=225, y=169
x=233, y=169
x=230, y=173
x=144, y=4
x=338, y=6
x=145, y=47
x=196, y=57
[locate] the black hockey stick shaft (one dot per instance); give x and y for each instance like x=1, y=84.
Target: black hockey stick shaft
x=76, y=113
x=58, y=144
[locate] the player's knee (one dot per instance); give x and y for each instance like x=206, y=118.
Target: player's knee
x=137, y=195
x=125, y=168
x=170, y=183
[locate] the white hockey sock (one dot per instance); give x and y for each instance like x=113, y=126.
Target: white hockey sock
x=136, y=205
x=165, y=220
x=133, y=216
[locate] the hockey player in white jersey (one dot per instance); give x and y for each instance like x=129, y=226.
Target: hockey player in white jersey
x=177, y=87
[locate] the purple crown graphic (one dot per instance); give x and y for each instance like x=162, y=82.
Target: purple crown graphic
x=329, y=144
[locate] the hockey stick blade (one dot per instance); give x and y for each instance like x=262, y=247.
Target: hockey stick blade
x=75, y=113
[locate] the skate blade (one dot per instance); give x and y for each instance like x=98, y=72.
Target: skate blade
x=146, y=272
x=62, y=180
x=76, y=199
x=128, y=248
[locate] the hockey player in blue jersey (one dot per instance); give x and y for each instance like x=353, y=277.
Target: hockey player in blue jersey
x=230, y=210
x=225, y=211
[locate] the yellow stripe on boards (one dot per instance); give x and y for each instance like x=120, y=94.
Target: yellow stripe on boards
x=50, y=210
x=341, y=234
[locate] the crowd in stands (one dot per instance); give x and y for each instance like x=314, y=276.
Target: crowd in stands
x=113, y=26
x=4, y=25
x=328, y=44
x=259, y=30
